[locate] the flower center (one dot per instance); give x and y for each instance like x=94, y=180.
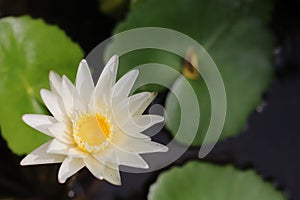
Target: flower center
x=92, y=132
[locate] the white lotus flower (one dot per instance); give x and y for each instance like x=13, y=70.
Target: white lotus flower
x=98, y=127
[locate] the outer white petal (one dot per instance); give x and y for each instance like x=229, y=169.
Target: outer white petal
x=91, y=105
x=108, y=155
x=139, y=102
x=55, y=82
x=131, y=159
x=62, y=132
x=54, y=104
x=39, y=122
x=101, y=98
x=124, y=85
x=84, y=81
x=140, y=123
x=120, y=112
x=112, y=174
x=104, y=168
x=77, y=153
x=69, y=167
x=67, y=89
x=40, y=156
x=58, y=147
x=94, y=166
x=111, y=67
x=79, y=105
x=131, y=106
x=133, y=145
x=71, y=99
x=135, y=134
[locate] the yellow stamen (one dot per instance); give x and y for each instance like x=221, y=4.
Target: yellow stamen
x=92, y=132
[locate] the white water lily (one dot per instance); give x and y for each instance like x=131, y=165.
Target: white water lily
x=97, y=127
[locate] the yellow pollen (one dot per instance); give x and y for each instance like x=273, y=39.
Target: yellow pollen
x=92, y=132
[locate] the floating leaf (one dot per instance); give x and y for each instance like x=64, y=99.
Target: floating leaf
x=203, y=181
x=133, y=3
x=235, y=35
x=244, y=60
x=29, y=49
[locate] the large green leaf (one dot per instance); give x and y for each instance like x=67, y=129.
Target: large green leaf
x=244, y=60
x=182, y=16
x=29, y=49
x=235, y=35
x=203, y=181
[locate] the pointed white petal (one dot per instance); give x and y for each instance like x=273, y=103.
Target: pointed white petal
x=134, y=134
x=147, y=121
x=133, y=125
x=133, y=145
x=91, y=104
x=106, y=81
x=134, y=106
x=77, y=153
x=40, y=156
x=145, y=146
x=102, y=93
x=55, y=82
x=54, y=104
x=112, y=68
x=103, y=89
x=84, y=81
x=101, y=98
x=137, y=135
x=94, y=166
x=61, y=132
x=72, y=101
x=108, y=155
x=39, y=122
x=140, y=123
x=58, y=147
x=120, y=112
x=124, y=85
x=112, y=174
x=69, y=167
x=131, y=159
x=139, y=102
x=67, y=89
x=79, y=105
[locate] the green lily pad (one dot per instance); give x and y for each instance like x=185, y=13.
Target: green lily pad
x=133, y=3
x=244, y=61
x=203, y=181
x=236, y=36
x=29, y=49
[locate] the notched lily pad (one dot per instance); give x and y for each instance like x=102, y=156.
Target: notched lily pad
x=29, y=49
x=203, y=181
